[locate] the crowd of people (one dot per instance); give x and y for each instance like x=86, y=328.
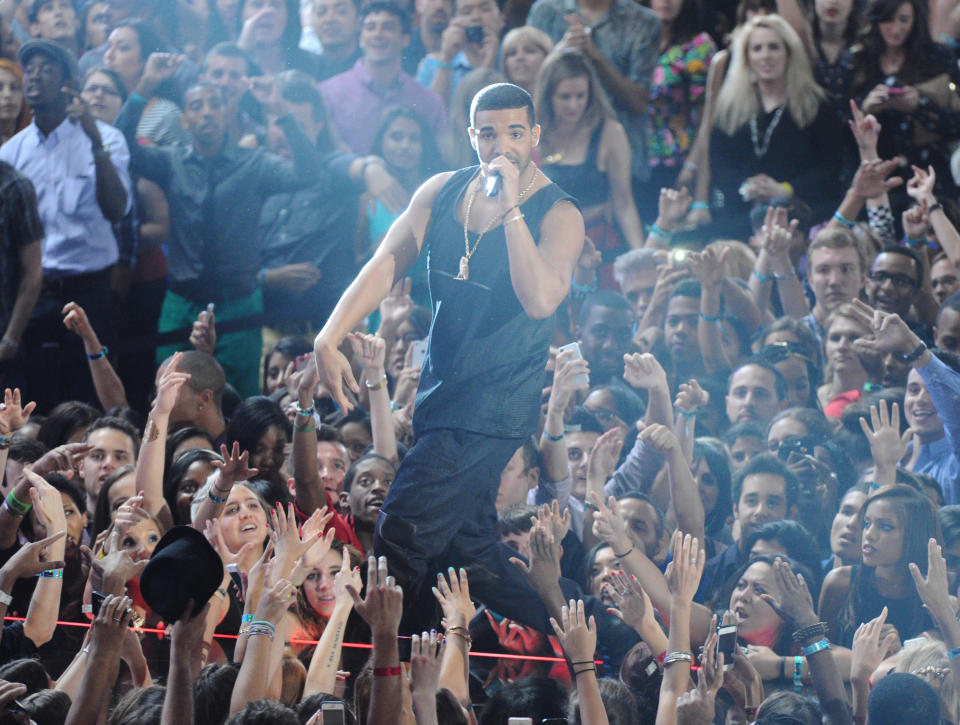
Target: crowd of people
x=679, y=442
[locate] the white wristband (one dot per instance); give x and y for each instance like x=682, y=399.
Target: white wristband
x=5, y=598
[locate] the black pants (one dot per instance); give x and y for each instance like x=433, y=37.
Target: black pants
x=439, y=513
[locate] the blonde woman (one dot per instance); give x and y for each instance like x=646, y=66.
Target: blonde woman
x=524, y=50
x=773, y=135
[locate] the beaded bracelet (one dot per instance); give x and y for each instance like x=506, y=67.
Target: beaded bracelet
x=51, y=574
x=813, y=630
x=104, y=351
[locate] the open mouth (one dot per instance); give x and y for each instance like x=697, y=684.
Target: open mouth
x=248, y=528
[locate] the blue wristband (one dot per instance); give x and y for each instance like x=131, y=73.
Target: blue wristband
x=843, y=220
x=817, y=646
x=700, y=205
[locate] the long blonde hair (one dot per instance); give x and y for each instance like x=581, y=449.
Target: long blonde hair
x=739, y=101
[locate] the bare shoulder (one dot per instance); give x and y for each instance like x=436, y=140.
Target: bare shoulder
x=838, y=578
x=424, y=196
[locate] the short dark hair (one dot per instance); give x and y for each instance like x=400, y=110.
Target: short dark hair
x=499, y=97
x=604, y=298
x=264, y=712
x=779, y=382
x=516, y=519
x=799, y=544
x=531, y=454
x=227, y=49
x=119, y=424
x=381, y=6
x=205, y=372
x=65, y=485
x=64, y=420
x=906, y=252
x=747, y=429
x=687, y=287
x=26, y=671
x=352, y=471
x=582, y=420
x=26, y=450
x=765, y=463
x=640, y=496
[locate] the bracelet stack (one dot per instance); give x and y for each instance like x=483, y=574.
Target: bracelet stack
x=261, y=626
x=462, y=632
x=677, y=657
x=591, y=668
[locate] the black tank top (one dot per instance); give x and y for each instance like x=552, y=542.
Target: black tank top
x=484, y=367
x=584, y=181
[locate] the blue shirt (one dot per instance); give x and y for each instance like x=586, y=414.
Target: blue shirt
x=79, y=239
x=939, y=458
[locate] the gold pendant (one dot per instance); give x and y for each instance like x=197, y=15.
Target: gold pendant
x=464, y=268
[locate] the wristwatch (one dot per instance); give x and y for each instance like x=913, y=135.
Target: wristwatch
x=912, y=357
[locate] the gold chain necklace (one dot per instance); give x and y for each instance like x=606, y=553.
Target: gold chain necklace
x=465, y=259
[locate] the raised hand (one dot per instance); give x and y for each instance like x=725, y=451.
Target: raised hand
x=889, y=332
x=708, y=266
x=234, y=466
x=604, y=456
x=916, y=222
x=426, y=654
x=869, y=648
x=609, y=525
x=75, y=319
x=643, y=371
x=31, y=559
x=333, y=370
x=111, y=623
x=47, y=504
x=672, y=207
x=684, y=572
x=454, y=597
x=691, y=397
x=887, y=445
x=368, y=350
x=348, y=576
x=130, y=513
x=632, y=605
x=382, y=606
x=565, y=383
x=275, y=601
x=159, y=67
x=921, y=185
x=212, y=532
x=203, y=333
x=872, y=178
x=12, y=416
x=396, y=307
x=777, y=233
x=548, y=515
x=288, y=544
x=171, y=380
x=78, y=111
x=696, y=706
x=934, y=588
x=543, y=571
x=576, y=633
x=63, y=459
x=795, y=605
x=866, y=131
x=660, y=438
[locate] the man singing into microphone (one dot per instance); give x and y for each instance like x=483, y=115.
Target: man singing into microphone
x=499, y=267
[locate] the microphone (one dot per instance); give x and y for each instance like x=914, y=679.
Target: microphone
x=492, y=184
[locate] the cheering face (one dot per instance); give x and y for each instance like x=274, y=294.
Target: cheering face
x=893, y=283
x=846, y=531
x=919, y=410
x=883, y=532
x=243, y=519
x=605, y=565
x=759, y=624
x=371, y=482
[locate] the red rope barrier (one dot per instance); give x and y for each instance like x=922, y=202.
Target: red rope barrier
x=159, y=631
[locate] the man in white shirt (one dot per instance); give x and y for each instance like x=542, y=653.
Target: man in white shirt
x=79, y=168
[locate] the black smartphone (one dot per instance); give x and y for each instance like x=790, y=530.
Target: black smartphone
x=726, y=643
x=474, y=34
x=96, y=601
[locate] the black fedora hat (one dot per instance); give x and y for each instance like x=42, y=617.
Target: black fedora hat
x=183, y=566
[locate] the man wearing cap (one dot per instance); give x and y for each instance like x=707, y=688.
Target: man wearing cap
x=79, y=168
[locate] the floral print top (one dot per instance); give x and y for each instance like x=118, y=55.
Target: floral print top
x=676, y=100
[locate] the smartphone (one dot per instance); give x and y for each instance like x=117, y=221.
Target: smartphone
x=419, y=352
x=726, y=643
x=96, y=601
x=332, y=713
x=474, y=34
x=520, y=721
x=895, y=91
x=678, y=256
x=582, y=378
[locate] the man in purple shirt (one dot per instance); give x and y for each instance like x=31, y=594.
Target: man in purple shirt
x=357, y=98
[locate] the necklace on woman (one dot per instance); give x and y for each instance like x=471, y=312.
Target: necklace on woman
x=465, y=259
x=761, y=149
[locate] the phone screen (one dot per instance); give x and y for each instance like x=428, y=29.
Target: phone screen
x=331, y=713
x=726, y=643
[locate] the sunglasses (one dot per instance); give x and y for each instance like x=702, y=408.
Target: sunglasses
x=783, y=350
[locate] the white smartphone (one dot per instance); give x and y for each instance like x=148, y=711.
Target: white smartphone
x=582, y=379
x=418, y=353
x=331, y=713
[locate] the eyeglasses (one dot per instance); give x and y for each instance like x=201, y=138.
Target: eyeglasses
x=899, y=280
x=106, y=90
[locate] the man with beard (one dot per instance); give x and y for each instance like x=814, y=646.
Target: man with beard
x=494, y=297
